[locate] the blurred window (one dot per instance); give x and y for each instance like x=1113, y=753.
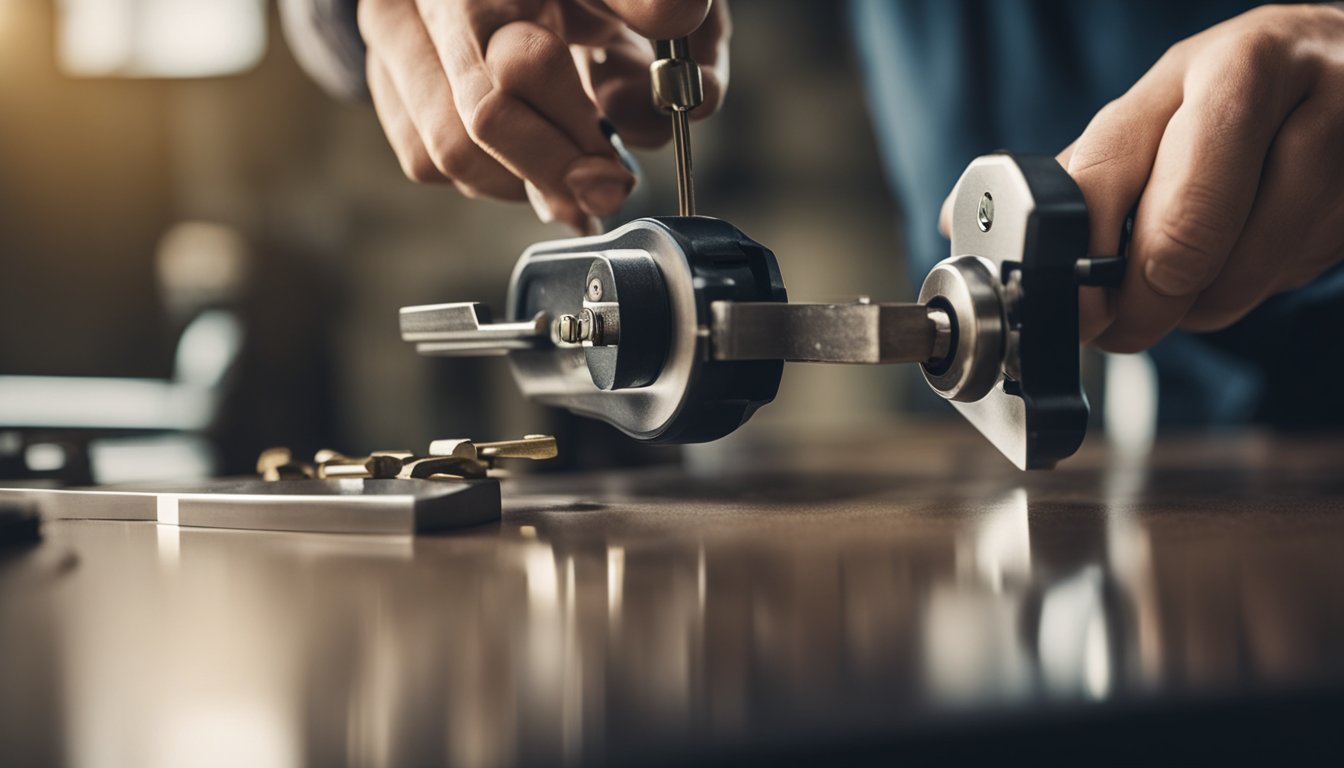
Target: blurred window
x=159, y=38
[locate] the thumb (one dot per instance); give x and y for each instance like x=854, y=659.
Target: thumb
x=945, y=213
x=662, y=20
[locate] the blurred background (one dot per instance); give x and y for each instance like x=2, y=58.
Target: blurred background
x=203, y=254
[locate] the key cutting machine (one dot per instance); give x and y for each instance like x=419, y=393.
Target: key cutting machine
x=675, y=330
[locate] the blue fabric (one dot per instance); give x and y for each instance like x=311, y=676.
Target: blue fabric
x=948, y=80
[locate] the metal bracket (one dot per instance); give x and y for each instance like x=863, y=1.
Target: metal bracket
x=1026, y=219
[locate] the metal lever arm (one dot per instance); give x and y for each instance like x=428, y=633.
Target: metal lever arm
x=860, y=333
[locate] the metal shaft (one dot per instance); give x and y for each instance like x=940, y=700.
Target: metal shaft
x=677, y=89
x=681, y=148
x=861, y=333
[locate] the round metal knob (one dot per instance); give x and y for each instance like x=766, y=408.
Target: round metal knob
x=967, y=288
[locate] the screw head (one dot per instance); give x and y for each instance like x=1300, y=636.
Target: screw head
x=567, y=328
x=595, y=290
x=985, y=217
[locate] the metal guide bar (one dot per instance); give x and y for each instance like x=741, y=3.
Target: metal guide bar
x=828, y=333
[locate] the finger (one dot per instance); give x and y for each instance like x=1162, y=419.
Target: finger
x=617, y=79
x=532, y=64
x=945, y=213
x=664, y=20
x=616, y=76
x=1111, y=161
x=709, y=48
x=411, y=66
x=1201, y=189
x=1293, y=229
x=521, y=100
x=397, y=126
x=538, y=84
x=1094, y=303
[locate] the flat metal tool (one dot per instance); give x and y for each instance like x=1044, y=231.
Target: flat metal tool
x=676, y=330
x=311, y=505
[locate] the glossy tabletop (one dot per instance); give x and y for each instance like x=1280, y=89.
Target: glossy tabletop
x=900, y=593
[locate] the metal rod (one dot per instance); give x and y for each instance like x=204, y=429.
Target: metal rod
x=860, y=333
x=678, y=88
x=681, y=149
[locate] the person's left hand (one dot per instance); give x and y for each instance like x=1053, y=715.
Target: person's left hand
x=1233, y=146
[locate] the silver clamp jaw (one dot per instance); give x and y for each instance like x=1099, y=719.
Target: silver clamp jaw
x=676, y=330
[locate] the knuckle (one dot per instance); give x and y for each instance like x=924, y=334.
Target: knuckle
x=489, y=117
x=1263, y=46
x=1192, y=234
x=1262, y=16
x=456, y=158
x=469, y=191
x=420, y=169
x=519, y=52
x=1257, y=56
x=369, y=13
x=1102, y=144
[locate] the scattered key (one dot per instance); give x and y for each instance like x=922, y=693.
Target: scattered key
x=279, y=464
x=448, y=459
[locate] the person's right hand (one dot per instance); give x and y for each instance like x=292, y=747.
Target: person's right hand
x=503, y=98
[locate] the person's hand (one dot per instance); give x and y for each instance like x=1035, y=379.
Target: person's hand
x=503, y=97
x=1233, y=147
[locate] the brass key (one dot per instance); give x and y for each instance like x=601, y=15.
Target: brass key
x=448, y=459
x=534, y=447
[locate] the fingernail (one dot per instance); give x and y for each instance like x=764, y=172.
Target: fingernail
x=1169, y=280
x=600, y=184
x=539, y=203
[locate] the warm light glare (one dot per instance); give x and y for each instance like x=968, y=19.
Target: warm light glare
x=159, y=38
x=7, y=13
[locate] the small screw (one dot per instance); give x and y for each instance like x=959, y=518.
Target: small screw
x=986, y=215
x=595, y=290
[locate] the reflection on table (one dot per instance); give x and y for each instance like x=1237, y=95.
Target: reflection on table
x=658, y=615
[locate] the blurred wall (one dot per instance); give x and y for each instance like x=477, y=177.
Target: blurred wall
x=94, y=171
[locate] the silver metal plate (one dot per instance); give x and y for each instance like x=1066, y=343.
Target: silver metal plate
x=999, y=416
x=391, y=506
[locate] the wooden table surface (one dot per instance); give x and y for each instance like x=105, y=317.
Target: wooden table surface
x=899, y=594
